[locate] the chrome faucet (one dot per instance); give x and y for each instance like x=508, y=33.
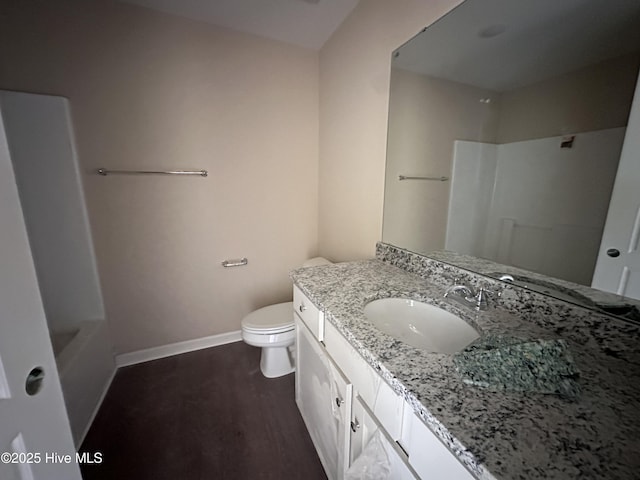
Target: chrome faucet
x=465, y=295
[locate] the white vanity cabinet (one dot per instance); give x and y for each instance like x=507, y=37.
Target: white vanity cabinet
x=375, y=407
x=343, y=402
x=323, y=394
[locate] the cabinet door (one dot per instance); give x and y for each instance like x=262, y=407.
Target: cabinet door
x=362, y=426
x=374, y=391
x=428, y=455
x=324, y=398
x=341, y=396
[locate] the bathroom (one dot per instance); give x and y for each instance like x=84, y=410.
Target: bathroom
x=293, y=139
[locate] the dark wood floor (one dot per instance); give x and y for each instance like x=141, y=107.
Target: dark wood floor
x=208, y=415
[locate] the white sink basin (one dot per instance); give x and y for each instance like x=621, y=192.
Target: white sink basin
x=420, y=325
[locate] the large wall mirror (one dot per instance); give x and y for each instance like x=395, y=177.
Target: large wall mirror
x=506, y=125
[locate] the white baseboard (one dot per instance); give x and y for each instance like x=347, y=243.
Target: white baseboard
x=163, y=351
x=97, y=407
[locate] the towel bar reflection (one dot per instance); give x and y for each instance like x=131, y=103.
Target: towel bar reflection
x=104, y=172
x=409, y=177
x=236, y=262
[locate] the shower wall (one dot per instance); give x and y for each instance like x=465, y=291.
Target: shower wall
x=41, y=145
x=532, y=204
x=472, y=181
x=42, y=150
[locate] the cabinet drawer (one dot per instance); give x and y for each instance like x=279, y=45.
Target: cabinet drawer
x=308, y=313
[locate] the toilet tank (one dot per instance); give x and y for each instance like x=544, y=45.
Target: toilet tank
x=313, y=262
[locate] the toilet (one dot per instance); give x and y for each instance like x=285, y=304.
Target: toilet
x=272, y=328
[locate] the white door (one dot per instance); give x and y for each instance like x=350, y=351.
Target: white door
x=35, y=438
x=618, y=266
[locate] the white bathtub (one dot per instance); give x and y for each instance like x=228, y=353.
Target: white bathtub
x=86, y=367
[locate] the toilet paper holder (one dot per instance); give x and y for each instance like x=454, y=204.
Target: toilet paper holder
x=235, y=262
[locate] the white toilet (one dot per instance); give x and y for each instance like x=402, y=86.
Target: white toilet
x=272, y=328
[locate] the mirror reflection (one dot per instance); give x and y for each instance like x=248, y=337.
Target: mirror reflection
x=506, y=125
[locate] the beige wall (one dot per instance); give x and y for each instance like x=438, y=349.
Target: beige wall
x=596, y=97
x=354, y=94
x=426, y=115
x=151, y=91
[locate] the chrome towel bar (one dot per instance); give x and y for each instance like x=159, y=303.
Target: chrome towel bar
x=408, y=177
x=104, y=172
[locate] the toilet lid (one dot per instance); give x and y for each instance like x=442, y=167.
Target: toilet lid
x=272, y=319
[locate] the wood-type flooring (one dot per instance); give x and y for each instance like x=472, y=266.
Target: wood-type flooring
x=203, y=415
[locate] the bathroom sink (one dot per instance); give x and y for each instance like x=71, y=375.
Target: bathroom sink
x=420, y=325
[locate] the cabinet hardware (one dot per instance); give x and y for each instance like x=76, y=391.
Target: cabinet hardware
x=355, y=425
x=339, y=401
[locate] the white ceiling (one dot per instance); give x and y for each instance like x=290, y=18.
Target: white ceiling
x=307, y=23
x=540, y=39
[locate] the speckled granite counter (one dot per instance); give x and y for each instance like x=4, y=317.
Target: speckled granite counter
x=503, y=435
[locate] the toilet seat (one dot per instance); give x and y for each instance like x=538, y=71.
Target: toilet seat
x=270, y=320
x=268, y=331
x=284, y=339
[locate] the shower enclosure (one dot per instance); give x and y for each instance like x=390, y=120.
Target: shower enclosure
x=41, y=144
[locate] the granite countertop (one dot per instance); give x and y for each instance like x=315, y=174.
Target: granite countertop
x=500, y=434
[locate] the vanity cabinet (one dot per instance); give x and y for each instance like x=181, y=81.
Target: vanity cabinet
x=344, y=402
x=323, y=396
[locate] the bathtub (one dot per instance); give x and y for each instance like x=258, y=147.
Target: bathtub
x=86, y=367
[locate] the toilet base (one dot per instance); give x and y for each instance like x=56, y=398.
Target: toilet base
x=276, y=362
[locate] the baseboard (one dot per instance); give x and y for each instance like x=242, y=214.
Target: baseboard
x=97, y=407
x=146, y=355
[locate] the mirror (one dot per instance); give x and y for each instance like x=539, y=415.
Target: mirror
x=506, y=123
